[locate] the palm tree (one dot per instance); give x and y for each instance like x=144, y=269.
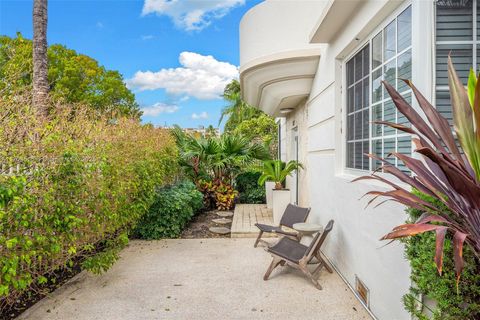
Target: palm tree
x=210, y=131
x=40, y=62
x=277, y=171
x=217, y=158
x=236, y=153
x=238, y=110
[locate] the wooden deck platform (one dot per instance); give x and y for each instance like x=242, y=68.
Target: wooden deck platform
x=244, y=218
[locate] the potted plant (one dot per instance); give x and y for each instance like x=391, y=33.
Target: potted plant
x=276, y=171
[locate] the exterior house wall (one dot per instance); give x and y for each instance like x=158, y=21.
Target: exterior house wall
x=354, y=247
x=325, y=185
x=278, y=26
x=296, y=123
x=282, y=139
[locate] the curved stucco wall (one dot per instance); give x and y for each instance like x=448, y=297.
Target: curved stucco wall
x=275, y=26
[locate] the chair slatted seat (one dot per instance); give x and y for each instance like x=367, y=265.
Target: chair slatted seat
x=297, y=255
x=293, y=214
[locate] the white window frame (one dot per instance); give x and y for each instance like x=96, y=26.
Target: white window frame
x=393, y=16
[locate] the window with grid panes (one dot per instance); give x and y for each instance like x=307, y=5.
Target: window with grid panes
x=387, y=56
x=457, y=29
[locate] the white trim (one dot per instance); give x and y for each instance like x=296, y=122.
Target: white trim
x=311, y=99
x=393, y=17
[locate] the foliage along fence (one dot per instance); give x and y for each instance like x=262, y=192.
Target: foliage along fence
x=93, y=179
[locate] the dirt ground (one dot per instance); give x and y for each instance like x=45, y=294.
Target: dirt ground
x=198, y=227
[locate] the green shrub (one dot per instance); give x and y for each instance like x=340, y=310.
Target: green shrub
x=248, y=188
x=217, y=194
x=69, y=185
x=102, y=261
x=173, y=208
x=420, y=251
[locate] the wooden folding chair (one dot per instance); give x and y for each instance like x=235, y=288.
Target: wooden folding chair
x=293, y=214
x=297, y=255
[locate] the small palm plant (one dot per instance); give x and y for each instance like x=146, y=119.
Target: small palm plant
x=277, y=171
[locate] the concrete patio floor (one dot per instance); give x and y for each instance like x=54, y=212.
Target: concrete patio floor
x=197, y=279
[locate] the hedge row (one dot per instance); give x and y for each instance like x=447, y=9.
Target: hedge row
x=69, y=185
x=452, y=303
x=173, y=208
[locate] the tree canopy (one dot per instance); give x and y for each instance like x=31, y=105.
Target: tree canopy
x=73, y=77
x=237, y=110
x=248, y=121
x=262, y=129
x=217, y=157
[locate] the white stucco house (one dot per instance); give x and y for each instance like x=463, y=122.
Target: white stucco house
x=318, y=64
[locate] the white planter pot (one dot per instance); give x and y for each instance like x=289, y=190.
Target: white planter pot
x=281, y=198
x=269, y=186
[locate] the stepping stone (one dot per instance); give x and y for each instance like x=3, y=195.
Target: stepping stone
x=219, y=230
x=225, y=214
x=222, y=221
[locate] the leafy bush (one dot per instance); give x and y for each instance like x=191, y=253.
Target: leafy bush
x=420, y=250
x=102, y=261
x=70, y=184
x=173, y=208
x=218, y=194
x=248, y=188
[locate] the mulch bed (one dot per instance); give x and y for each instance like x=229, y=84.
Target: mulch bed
x=198, y=227
x=30, y=297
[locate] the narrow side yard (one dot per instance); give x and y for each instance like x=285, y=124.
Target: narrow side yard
x=197, y=279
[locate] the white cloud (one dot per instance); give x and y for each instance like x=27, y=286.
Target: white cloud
x=159, y=108
x=191, y=15
x=147, y=37
x=202, y=115
x=202, y=77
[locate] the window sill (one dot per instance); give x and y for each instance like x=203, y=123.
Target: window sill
x=348, y=175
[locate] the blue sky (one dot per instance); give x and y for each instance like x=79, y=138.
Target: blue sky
x=176, y=55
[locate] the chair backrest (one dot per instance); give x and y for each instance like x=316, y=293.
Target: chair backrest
x=318, y=240
x=294, y=214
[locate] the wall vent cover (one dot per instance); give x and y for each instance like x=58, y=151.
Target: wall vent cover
x=362, y=291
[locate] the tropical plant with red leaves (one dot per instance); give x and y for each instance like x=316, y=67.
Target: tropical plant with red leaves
x=442, y=170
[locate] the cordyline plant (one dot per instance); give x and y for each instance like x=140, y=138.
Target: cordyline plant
x=443, y=170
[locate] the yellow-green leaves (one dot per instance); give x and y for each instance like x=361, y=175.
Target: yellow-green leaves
x=466, y=114
x=277, y=171
x=472, y=83
x=80, y=180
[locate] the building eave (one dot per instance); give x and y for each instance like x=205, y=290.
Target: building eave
x=279, y=80
x=334, y=17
